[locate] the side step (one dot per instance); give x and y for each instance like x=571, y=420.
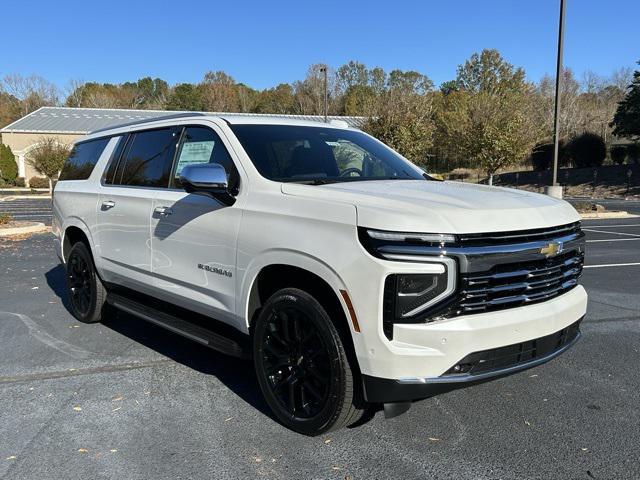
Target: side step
x=204, y=336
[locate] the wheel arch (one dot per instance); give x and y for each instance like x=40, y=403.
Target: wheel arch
x=75, y=230
x=286, y=269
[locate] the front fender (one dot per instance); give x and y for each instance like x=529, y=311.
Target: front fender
x=291, y=258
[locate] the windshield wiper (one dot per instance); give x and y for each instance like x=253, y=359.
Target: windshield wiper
x=321, y=181
x=311, y=181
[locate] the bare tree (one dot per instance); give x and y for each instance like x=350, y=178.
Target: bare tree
x=309, y=93
x=33, y=92
x=73, y=93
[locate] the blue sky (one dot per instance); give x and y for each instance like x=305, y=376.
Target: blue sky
x=264, y=43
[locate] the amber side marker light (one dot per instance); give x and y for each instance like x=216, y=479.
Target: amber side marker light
x=352, y=312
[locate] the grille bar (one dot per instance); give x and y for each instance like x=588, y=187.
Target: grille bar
x=510, y=285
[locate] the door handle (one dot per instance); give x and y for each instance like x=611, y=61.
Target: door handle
x=108, y=204
x=163, y=211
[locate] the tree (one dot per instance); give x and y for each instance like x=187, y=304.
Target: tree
x=626, y=121
x=219, y=92
x=48, y=158
x=275, y=100
x=32, y=92
x=402, y=113
x=352, y=74
x=449, y=86
x=9, y=108
x=185, y=96
x=488, y=72
x=543, y=110
x=489, y=117
x=309, y=93
x=359, y=100
x=8, y=166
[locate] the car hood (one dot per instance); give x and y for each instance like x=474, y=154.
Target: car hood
x=441, y=207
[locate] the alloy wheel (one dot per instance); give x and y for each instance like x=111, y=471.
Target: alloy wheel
x=296, y=363
x=80, y=283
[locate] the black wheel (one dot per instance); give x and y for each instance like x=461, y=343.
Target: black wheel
x=301, y=364
x=87, y=295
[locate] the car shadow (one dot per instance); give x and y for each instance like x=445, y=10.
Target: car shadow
x=242, y=381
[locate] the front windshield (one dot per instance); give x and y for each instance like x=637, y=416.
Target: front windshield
x=288, y=153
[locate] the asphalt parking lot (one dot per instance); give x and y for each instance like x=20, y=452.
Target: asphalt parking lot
x=27, y=208
x=127, y=400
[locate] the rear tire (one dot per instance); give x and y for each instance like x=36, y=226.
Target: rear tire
x=302, y=366
x=87, y=295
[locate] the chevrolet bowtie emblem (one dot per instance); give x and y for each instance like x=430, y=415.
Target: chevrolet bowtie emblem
x=552, y=249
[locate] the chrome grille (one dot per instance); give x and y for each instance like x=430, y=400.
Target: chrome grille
x=514, y=284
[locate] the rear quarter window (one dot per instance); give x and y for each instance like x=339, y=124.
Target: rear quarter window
x=83, y=159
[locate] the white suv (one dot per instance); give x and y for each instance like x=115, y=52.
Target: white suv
x=350, y=276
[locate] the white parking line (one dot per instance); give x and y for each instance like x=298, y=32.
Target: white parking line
x=612, y=233
x=612, y=265
x=614, y=225
x=613, y=240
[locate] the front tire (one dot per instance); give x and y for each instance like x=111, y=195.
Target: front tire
x=301, y=364
x=87, y=295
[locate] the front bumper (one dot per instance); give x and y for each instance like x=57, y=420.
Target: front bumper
x=480, y=366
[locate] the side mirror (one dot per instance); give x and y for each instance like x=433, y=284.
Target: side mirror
x=208, y=179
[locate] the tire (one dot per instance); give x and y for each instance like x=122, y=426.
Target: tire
x=302, y=366
x=86, y=293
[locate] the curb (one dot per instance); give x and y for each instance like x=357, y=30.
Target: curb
x=32, y=228
x=621, y=214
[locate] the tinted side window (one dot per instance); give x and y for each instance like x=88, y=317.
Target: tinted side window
x=82, y=159
x=203, y=145
x=110, y=174
x=148, y=159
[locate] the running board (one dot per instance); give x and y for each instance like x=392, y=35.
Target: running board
x=177, y=325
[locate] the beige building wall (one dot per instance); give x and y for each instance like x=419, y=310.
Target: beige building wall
x=22, y=142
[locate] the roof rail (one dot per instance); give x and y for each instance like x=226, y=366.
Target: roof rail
x=151, y=119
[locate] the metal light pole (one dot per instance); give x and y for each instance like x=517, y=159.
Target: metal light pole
x=326, y=93
x=556, y=111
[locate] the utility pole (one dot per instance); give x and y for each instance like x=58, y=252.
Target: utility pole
x=323, y=69
x=555, y=190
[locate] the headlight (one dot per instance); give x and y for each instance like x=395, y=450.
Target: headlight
x=415, y=297
x=416, y=292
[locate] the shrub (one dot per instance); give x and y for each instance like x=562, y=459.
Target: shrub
x=618, y=154
x=20, y=182
x=542, y=156
x=587, y=150
x=633, y=151
x=5, y=218
x=8, y=165
x=39, y=182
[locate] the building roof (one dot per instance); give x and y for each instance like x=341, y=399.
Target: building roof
x=80, y=121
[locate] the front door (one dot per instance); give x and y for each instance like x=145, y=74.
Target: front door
x=193, y=237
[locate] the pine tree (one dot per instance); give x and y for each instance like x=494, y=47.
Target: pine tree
x=626, y=121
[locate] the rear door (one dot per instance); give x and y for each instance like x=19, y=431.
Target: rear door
x=193, y=237
x=126, y=198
